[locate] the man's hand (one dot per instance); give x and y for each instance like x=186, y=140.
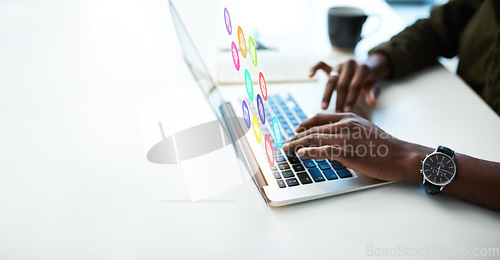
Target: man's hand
x=351, y=80
x=359, y=145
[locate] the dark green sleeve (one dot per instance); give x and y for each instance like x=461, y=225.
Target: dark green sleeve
x=419, y=45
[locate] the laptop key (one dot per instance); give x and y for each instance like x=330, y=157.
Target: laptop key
x=293, y=160
x=324, y=166
x=316, y=175
x=287, y=174
x=281, y=183
x=279, y=158
x=292, y=182
x=283, y=166
x=309, y=164
x=277, y=175
x=298, y=167
x=344, y=173
x=337, y=166
x=320, y=160
x=330, y=175
x=304, y=178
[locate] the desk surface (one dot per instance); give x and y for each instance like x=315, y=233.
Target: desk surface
x=75, y=182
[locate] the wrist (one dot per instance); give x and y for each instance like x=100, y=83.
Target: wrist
x=379, y=66
x=414, y=155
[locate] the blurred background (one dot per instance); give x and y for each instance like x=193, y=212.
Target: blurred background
x=412, y=10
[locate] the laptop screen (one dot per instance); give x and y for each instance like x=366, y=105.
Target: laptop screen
x=195, y=63
x=223, y=109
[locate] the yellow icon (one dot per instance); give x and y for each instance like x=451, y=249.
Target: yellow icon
x=242, y=42
x=256, y=128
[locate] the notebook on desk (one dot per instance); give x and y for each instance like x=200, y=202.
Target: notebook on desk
x=279, y=67
x=283, y=178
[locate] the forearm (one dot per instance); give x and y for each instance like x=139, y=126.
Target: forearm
x=420, y=44
x=476, y=181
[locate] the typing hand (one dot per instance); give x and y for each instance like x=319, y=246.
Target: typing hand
x=358, y=144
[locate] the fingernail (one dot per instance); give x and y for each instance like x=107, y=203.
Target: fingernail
x=324, y=105
x=284, y=146
x=301, y=152
x=347, y=109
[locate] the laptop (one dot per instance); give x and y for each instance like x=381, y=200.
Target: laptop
x=290, y=179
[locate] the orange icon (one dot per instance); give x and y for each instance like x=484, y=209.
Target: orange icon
x=242, y=42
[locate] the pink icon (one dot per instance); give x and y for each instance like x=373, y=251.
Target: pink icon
x=236, y=57
x=263, y=86
x=269, y=151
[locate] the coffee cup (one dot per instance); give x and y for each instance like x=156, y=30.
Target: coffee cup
x=344, y=26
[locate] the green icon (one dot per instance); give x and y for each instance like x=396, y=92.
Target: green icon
x=253, y=51
x=248, y=83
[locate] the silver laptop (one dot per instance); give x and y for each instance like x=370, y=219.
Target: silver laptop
x=291, y=179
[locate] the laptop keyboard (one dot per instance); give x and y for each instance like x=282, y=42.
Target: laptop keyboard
x=289, y=169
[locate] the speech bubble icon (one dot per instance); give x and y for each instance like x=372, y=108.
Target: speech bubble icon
x=269, y=150
x=227, y=20
x=249, y=85
x=263, y=86
x=277, y=132
x=236, y=56
x=242, y=42
x=246, y=113
x=260, y=108
x=256, y=128
x=253, y=51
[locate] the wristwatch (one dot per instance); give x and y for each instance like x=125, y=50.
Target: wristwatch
x=439, y=169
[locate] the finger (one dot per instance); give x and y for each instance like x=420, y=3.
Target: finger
x=358, y=81
x=312, y=140
x=371, y=92
x=330, y=87
x=323, y=152
x=321, y=119
x=320, y=66
x=323, y=129
x=329, y=129
x=343, y=84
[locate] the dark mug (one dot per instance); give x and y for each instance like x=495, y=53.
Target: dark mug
x=344, y=26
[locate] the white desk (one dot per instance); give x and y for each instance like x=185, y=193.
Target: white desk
x=75, y=182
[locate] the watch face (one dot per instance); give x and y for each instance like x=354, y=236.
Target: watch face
x=439, y=169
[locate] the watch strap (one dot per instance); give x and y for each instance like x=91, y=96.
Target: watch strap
x=446, y=151
x=431, y=188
